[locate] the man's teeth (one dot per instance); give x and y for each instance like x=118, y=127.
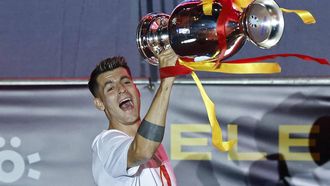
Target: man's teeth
x=125, y=101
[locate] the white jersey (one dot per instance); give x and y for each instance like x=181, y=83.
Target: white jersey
x=110, y=150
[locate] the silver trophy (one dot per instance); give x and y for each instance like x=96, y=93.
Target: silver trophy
x=192, y=34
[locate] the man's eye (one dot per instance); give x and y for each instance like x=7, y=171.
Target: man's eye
x=127, y=82
x=109, y=89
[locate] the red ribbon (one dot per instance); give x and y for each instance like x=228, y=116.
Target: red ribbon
x=262, y=58
x=226, y=14
x=174, y=71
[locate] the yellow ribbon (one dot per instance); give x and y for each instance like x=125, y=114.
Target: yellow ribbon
x=207, y=7
x=246, y=68
x=234, y=68
x=242, y=3
x=215, y=126
x=304, y=15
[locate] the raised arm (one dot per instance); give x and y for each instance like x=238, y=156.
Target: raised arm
x=151, y=130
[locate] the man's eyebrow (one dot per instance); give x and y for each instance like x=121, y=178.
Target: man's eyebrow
x=125, y=77
x=111, y=82
x=108, y=82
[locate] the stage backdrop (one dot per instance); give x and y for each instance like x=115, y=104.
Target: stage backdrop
x=282, y=131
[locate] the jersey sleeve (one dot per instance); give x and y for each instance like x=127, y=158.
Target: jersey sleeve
x=112, y=149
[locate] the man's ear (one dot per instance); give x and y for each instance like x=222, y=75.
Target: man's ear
x=99, y=104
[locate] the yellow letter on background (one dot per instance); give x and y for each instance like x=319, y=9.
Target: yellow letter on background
x=235, y=155
x=285, y=142
x=177, y=141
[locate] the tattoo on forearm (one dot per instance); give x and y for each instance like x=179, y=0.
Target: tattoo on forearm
x=151, y=131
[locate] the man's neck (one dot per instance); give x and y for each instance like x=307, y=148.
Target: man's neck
x=129, y=129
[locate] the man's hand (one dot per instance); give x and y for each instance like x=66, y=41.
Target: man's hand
x=167, y=58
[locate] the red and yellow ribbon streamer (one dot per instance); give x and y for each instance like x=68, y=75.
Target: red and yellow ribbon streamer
x=241, y=66
x=238, y=66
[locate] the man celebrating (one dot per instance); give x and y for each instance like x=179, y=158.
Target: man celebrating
x=130, y=151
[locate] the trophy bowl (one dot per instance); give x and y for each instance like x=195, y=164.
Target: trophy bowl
x=192, y=34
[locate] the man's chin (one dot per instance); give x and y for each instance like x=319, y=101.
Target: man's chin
x=132, y=117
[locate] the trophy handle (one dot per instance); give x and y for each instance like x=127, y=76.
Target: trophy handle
x=152, y=36
x=263, y=23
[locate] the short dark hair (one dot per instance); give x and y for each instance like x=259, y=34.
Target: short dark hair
x=105, y=65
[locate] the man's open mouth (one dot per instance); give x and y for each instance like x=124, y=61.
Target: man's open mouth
x=126, y=104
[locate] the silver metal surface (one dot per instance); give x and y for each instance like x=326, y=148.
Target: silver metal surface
x=152, y=36
x=264, y=23
x=192, y=34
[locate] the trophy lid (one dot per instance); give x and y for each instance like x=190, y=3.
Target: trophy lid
x=264, y=23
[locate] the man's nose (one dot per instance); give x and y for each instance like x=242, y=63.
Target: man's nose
x=122, y=89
